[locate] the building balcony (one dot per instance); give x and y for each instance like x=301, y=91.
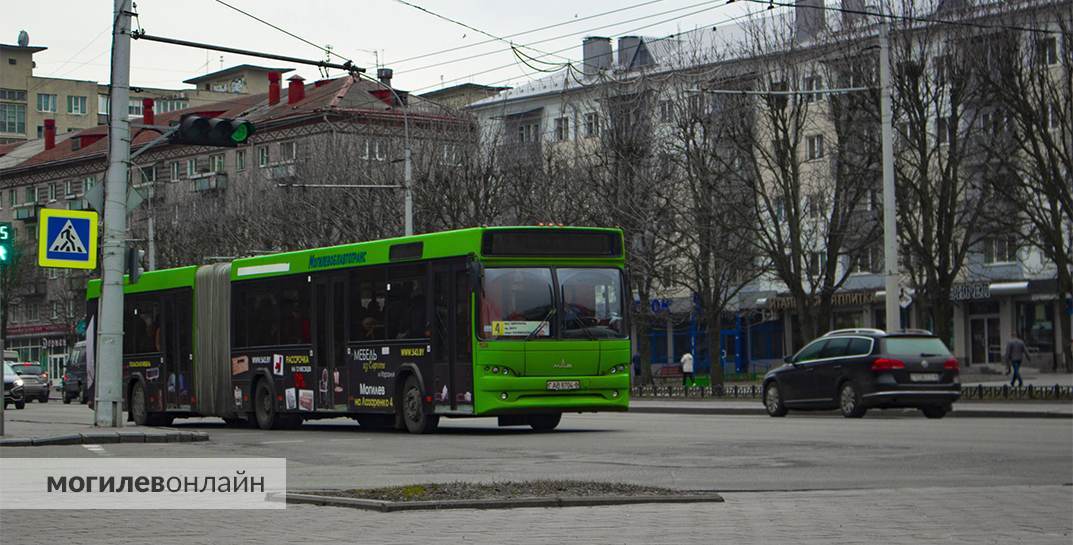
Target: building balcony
x=26, y=212
x=209, y=181
x=280, y=171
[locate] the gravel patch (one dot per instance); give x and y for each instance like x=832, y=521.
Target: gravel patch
x=504, y=491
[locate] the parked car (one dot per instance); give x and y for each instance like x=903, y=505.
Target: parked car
x=35, y=383
x=13, y=392
x=74, y=377
x=854, y=370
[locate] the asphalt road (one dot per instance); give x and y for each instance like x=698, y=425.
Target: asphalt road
x=977, y=480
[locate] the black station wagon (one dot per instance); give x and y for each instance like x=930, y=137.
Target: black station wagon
x=859, y=369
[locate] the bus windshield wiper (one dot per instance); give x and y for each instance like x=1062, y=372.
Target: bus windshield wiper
x=585, y=328
x=551, y=312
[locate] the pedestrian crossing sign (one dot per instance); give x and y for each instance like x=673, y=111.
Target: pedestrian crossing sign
x=67, y=239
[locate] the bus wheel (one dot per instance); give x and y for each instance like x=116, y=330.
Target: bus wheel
x=138, y=412
x=264, y=406
x=413, y=410
x=545, y=422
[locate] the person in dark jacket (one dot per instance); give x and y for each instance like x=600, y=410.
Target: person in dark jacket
x=1016, y=353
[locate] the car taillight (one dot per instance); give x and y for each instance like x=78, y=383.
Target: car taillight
x=65, y=377
x=951, y=364
x=887, y=364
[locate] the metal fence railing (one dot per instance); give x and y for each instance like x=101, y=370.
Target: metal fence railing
x=979, y=392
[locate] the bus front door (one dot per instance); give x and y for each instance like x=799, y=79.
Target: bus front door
x=329, y=344
x=451, y=337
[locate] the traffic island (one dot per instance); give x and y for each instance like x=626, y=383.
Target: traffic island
x=505, y=495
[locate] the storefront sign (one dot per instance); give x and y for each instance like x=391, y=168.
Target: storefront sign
x=21, y=330
x=841, y=299
x=970, y=291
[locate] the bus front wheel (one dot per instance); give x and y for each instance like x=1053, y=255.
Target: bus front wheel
x=264, y=406
x=545, y=422
x=413, y=410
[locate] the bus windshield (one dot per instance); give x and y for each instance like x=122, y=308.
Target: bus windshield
x=518, y=303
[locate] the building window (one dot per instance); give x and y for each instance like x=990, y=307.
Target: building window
x=562, y=129
x=148, y=174
x=176, y=170
x=778, y=205
x=216, y=162
x=866, y=260
x=374, y=150
x=287, y=151
x=813, y=83
x=666, y=111
x=1047, y=50
x=103, y=107
x=46, y=103
x=76, y=105
x=134, y=107
x=53, y=189
x=262, y=155
x=944, y=130
x=191, y=167
x=1000, y=249
x=592, y=124
x=29, y=195
x=528, y=132
x=815, y=146
x=817, y=263
x=13, y=94
x=814, y=205
x=944, y=64
x=13, y=118
x=1035, y=322
x=72, y=188
x=240, y=159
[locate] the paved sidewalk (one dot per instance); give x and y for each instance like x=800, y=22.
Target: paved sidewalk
x=970, y=516
x=28, y=424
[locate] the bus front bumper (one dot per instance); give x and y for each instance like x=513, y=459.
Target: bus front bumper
x=522, y=395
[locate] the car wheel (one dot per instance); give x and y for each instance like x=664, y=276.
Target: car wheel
x=849, y=401
x=264, y=406
x=66, y=398
x=20, y=404
x=43, y=398
x=773, y=401
x=934, y=411
x=545, y=422
x=413, y=409
x=138, y=411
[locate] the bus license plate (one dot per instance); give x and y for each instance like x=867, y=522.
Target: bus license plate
x=564, y=384
x=924, y=377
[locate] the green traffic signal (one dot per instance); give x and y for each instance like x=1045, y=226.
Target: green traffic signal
x=240, y=132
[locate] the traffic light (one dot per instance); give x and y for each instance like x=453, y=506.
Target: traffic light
x=195, y=130
x=7, y=241
x=134, y=264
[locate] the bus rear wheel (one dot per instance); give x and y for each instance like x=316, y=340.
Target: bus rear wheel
x=545, y=422
x=264, y=406
x=413, y=409
x=139, y=413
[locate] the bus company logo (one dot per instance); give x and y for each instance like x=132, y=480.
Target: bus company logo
x=366, y=390
x=563, y=364
x=349, y=258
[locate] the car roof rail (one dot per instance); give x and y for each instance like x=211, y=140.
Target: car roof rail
x=868, y=330
x=915, y=331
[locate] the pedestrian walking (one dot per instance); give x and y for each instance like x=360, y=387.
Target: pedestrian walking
x=687, y=369
x=1016, y=353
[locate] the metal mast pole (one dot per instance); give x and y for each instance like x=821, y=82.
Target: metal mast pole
x=108, y=404
x=890, y=225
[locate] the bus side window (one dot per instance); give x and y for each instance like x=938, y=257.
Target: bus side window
x=294, y=312
x=406, y=313
x=367, y=288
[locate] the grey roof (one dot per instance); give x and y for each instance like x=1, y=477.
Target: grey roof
x=237, y=68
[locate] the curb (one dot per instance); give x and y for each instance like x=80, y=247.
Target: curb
x=738, y=411
x=101, y=438
x=516, y=503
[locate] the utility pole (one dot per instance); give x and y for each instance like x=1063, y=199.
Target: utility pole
x=108, y=401
x=890, y=225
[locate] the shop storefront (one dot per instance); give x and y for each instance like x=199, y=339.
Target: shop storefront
x=987, y=313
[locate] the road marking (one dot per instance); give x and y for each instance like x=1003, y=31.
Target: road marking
x=280, y=442
x=96, y=449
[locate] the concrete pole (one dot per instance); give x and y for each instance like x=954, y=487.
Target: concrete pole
x=670, y=338
x=408, y=180
x=2, y=345
x=108, y=404
x=152, y=241
x=890, y=225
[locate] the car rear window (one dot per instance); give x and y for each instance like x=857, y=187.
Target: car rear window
x=28, y=369
x=914, y=346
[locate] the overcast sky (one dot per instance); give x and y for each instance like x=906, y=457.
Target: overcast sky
x=77, y=34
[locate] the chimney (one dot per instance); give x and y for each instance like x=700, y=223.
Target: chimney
x=385, y=75
x=148, y=115
x=273, y=87
x=50, y=133
x=627, y=49
x=809, y=19
x=596, y=52
x=321, y=82
x=296, y=89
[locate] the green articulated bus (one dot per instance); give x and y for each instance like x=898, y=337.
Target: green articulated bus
x=521, y=323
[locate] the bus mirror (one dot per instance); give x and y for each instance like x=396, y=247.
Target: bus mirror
x=476, y=274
